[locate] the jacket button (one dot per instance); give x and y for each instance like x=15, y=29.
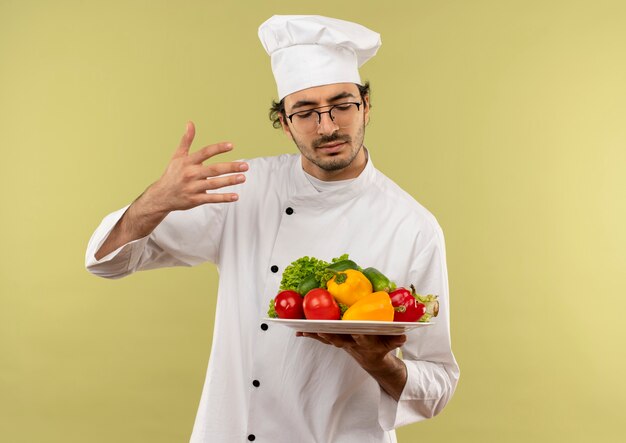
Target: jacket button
x=274, y=269
x=264, y=326
x=289, y=211
x=256, y=383
x=251, y=437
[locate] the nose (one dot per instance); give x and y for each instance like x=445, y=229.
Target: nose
x=326, y=124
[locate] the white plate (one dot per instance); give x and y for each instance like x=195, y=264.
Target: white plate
x=349, y=327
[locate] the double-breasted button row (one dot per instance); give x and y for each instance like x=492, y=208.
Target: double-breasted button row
x=264, y=326
x=274, y=268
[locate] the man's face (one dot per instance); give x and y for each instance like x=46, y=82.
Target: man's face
x=329, y=152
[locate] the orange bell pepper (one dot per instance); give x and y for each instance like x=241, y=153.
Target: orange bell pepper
x=373, y=307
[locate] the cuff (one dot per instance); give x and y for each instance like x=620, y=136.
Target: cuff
x=118, y=263
x=421, y=397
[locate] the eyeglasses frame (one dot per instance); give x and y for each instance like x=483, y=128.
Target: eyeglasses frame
x=329, y=112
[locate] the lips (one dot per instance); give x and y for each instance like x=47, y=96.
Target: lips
x=331, y=147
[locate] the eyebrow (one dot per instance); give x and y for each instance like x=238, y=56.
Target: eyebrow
x=301, y=103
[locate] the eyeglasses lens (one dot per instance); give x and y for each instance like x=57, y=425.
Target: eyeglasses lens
x=342, y=116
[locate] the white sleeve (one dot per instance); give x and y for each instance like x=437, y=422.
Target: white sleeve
x=432, y=372
x=183, y=238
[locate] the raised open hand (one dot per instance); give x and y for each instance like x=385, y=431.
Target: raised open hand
x=186, y=180
x=185, y=184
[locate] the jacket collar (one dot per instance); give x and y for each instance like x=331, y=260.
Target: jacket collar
x=303, y=192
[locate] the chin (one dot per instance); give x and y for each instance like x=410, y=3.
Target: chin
x=334, y=164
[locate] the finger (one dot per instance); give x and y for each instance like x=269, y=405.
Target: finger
x=210, y=184
x=186, y=140
x=203, y=198
x=362, y=340
x=314, y=337
x=338, y=340
x=209, y=151
x=389, y=341
x=215, y=169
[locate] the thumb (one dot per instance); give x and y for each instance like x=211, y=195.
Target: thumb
x=186, y=140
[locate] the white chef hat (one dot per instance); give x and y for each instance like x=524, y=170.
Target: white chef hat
x=311, y=50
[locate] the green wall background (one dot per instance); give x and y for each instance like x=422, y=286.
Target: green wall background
x=507, y=119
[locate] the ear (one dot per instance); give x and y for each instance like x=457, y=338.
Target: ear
x=366, y=109
x=285, y=126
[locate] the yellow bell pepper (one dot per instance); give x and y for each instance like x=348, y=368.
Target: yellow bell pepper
x=373, y=307
x=349, y=286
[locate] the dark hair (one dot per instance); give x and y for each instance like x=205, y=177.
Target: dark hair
x=278, y=108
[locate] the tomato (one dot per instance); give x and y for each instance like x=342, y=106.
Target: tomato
x=410, y=308
x=288, y=304
x=319, y=304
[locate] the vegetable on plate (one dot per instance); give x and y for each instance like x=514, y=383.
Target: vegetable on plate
x=349, y=286
x=379, y=281
x=319, y=304
x=288, y=304
x=373, y=307
x=314, y=289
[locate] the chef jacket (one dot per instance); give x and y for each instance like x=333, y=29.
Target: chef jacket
x=263, y=383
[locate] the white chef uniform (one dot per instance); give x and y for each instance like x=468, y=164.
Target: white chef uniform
x=264, y=384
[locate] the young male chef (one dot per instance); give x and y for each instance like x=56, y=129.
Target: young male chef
x=252, y=218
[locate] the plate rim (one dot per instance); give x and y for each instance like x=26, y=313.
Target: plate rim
x=351, y=322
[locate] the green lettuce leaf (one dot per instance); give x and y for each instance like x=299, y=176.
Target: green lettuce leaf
x=301, y=268
x=271, y=312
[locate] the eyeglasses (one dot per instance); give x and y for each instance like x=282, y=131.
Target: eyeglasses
x=341, y=114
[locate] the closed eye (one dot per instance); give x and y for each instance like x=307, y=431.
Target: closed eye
x=343, y=107
x=304, y=114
